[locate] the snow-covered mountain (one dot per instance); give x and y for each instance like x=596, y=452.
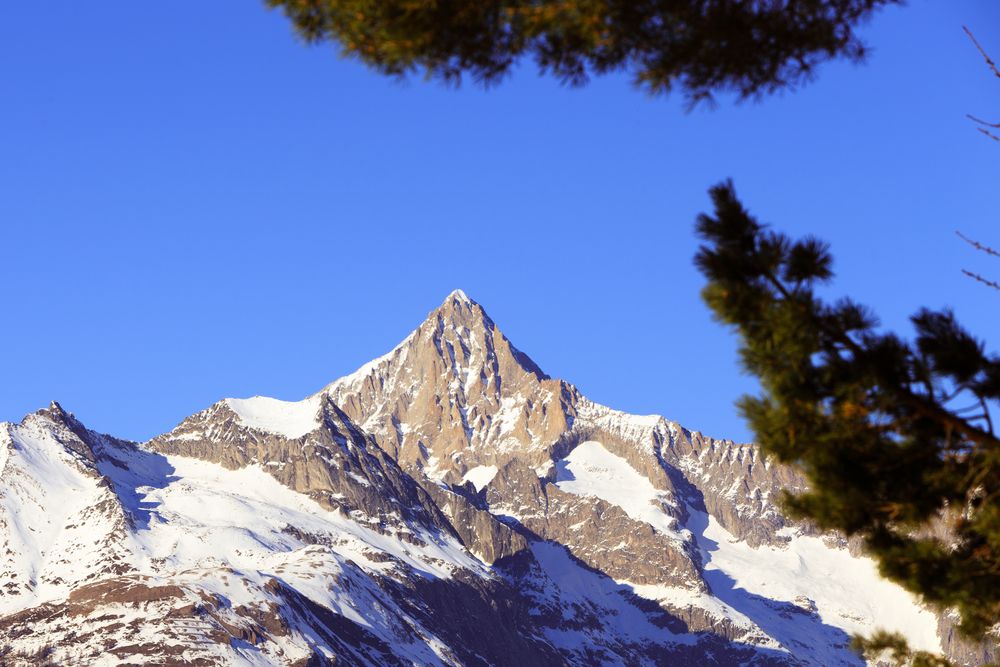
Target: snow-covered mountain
x=446, y=504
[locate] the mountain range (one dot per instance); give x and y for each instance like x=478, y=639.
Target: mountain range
x=446, y=504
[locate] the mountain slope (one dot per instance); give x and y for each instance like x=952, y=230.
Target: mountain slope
x=448, y=503
x=227, y=565
x=554, y=465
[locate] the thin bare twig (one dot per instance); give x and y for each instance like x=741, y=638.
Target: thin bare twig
x=989, y=134
x=983, y=125
x=975, y=276
x=977, y=245
x=981, y=121
x=989, y=62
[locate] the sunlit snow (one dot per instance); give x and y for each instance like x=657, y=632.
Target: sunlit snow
x=480, y=476
x=591, y=470
x=848, y=592
x=292, y=419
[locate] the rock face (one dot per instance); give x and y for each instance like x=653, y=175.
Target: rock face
x=446, y=504
x=335, y=463
x=457, y=394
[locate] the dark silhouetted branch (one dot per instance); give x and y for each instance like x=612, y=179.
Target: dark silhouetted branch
x=978, y=246
x=989, y=62
x=978, y=278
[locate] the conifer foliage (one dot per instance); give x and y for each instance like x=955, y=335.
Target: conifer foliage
x=700, y=46
x=896, y=436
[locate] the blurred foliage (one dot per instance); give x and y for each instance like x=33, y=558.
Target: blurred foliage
x=749, y=47
x=896, y=437
x=890, y=648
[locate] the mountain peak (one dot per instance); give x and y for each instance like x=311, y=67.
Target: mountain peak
x=58, y=425
x=58, y=414
x=455, y=384
x=457, y=340
x=458, y=295
x=461, y=323
x=459, y=310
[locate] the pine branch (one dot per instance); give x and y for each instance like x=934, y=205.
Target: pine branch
x=924, y=405
x=831, y=380
x=986, y=414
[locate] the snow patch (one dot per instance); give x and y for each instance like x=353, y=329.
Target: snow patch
x=480, y=476
x=845, y=592
x=591, y=470
x=292, y=419
x=459, y=295
x=680, y=597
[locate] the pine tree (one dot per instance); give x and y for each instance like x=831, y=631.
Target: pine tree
x=896, y=437
x=750, y=47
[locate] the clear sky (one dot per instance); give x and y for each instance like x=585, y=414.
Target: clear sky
x=195, y=205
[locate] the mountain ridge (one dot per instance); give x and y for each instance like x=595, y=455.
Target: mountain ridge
x=451, y=472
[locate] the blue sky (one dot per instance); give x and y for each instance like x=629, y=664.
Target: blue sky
x=195, y=205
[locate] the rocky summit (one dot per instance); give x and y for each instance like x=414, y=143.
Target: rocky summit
x=447, y=504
